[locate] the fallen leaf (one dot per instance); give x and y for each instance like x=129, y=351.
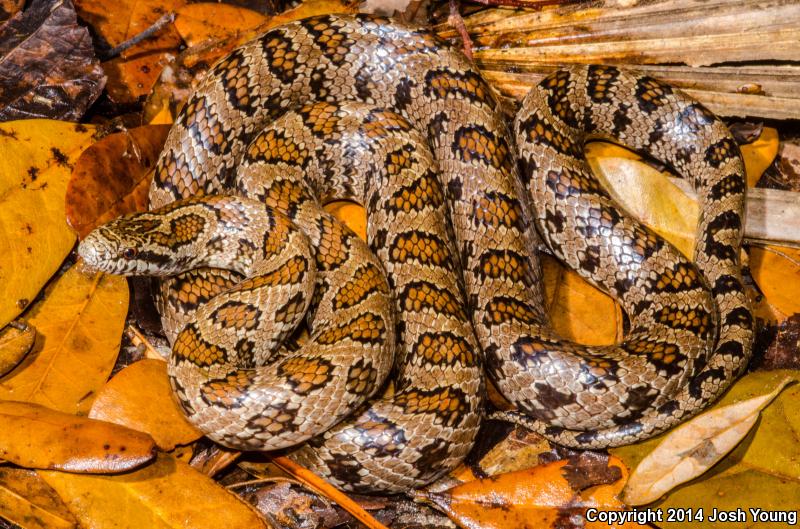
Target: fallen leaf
x=31, y=503
x=351, y=214
x=775, y=270
x=646, y=193
x=39, y=437
x=79, y=324
x=136, y=70
x=286, y=503
x=543, y=496
x=9, y=8
x=167, y=494
x=784, y=173
x=784, y=351
x=15, y=343
x=38, y=156
x=199, y=22
x=693, y=447
x=112, y=178
x=578, y=311
x=762, y=472
x=759, y=154
x=140, y=398
x=47, y=64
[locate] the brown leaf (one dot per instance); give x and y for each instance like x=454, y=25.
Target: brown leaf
x=784, y=351
x=167, y=494
x=139, y=397
x=9, y=8
x=549, y=495
x=47, y=64
x=784, y=173
x=39, y=437
x=134, y=73
x=111, y=177
x=199, y=22
x=79, y=324
x=286, y=502
x=14, y=345
x=28, y=501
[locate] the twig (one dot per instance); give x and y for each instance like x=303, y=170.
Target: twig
x=324, y=488
x=159, y=24
x=457, y=22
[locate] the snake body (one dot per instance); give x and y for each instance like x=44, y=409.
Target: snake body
x=366, y=108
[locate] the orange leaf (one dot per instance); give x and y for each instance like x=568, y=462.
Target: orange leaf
x=14, y=345
x=351, y=214
x=168, y=494
x=776, y=270
x=28, y=501
x=139, y=397
x=111, y=177
x=537, y=497
x=134, y=73
x=79, y=329
x=759, y=154
x=198, y=22
x=38, y=437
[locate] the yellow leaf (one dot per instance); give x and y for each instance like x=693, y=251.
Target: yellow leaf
x=647, y=194
x=168, y=494
x=776, y=270
x=37, y=156
x=311, y=8
x=694, y=447
x=139, y=397
x=39, y=437
x=763, y=471
x=198, y=22
x=14, y=345
x=29, y=502
x=351, y=214
x=79, y=324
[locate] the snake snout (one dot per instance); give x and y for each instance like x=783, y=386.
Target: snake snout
x=98, y=254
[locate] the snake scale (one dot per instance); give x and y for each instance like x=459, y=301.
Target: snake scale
x=366, y=108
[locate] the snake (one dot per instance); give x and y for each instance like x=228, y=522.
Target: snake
x=460, y=199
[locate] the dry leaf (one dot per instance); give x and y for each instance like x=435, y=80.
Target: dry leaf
x=543, y=496
x=79, y=324
x=37, y=160
x=9, y=8
x=694, y=447
x=776, y=270
x=134, y=73
x=47, y=64
x=139, y=397
x=759, y=154
x=784, y=351
x=31, y=503
x=39, y=437
x=14, y=345
x=204, y=21
x=167, y=494
x=762, y=472
x=111, y=177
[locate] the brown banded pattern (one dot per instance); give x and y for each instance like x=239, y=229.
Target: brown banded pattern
x=690, y=326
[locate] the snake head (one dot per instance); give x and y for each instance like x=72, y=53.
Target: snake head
x=119, y=247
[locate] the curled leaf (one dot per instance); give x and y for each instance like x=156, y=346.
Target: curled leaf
x=15, y=343
x=38, y=437
x=139, y=397
x=694, y=447
x=111, y=177
x=79, y=324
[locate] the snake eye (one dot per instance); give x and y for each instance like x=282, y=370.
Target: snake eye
x=129, y=253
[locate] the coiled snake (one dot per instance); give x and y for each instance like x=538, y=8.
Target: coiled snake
x=365, y=108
